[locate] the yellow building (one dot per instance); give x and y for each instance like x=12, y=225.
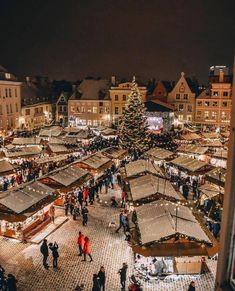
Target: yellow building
x=10, y=101
x=213, y=106
x=90, y=105
x=182, y=97
x=119, y=95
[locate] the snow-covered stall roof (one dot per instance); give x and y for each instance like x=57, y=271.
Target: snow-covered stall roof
x=69, y=175
x=22, y=198
x=26, y=141
x=159, y=220
x=210, y=135
x=114, y=153
x=210, y=190
x=142, y=166
x=158, y=153
x=217, y=174
x=211, y=143
x=195, y=149
x=52, y=131
x=23, y=151
x=147, y=185
x=188, y=163
x=96, y=161
x=191, y=136
x=220, y=153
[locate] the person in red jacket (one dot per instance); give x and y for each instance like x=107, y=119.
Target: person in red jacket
x=87, y=249
x=85, y=195
x=80, y=242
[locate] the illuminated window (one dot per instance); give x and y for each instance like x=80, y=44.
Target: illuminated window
x=89, y=122
x=88, y=110
x=206, y=114
x=95, y=122
x=223, y=115
x=7, y=76
x=216, y=93
x=213, y=115
x=83, y=109
x=207, y=103
x=94, y=109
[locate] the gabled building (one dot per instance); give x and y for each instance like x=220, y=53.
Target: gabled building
x=119, y=95
x=213, y=105
x=182, y=97
x=161, y=91
x=36, y=103
x=90, y=105
x=10, y=101
x=61, y=114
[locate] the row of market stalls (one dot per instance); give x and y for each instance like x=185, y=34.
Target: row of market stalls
x=24, y=209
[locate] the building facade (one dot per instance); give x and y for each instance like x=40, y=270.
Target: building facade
x=213, y=105
x=61, y=114
x=118, y=97
x=182, y=97
x=161, y=91
x=10, y=101
x=90, y=105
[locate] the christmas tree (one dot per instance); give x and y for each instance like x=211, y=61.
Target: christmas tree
x=133, y=123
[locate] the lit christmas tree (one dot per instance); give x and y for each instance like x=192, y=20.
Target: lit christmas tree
x=133, y=123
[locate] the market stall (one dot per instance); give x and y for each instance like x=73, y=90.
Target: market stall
x=217, y=176
x=167, y=229
x=189, y=164
x=24, y=208
x=23, y=141
x=140, y=167
x=23, y=152
x=148, y=188
x=116, y=154
x=191, y=137
x=51, y=131
x=158, y=154
x=6, y=168
x=192, y=149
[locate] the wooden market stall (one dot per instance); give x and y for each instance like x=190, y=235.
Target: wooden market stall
x=217, y=176
x=116, y=154
x=148, y=188
x=51, y=131
x=6, y=168
x=192, y=149
x=27, y=151
x=162, y=228
x=140, y=167
x=23, y=141
x=24, y=208
x=189, y=164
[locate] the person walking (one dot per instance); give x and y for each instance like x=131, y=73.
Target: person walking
x=122, y=272
x=45, y=253
x=122, y=222
x=54, y=249
x=119, y=180
x=51, y=213
x=96, y=284
x=87, y=249
x=11, y=283
x=66, y=207
x=101, y=276
x=80, y=242
x=84, y=216
x=191, y=286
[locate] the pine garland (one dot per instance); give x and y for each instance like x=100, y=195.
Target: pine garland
x=133, y=123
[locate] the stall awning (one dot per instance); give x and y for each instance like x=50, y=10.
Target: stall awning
x=158, y=153
x=188, y=163
x=147, y=185
x=24, y=197
x=56, y=158
x=24, y=151
x=26, y=141
x=63, y=141
x=211, y=143
x=220, y=153
x=142, y=166
x=211, y=190
x=52, y=131
x=210, y=135
x=58, y=148
x=5, y=166
x=188, y=148
x=69, y=175
x=160, y=219
x=96, y=161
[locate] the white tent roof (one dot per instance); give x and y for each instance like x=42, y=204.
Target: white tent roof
x=142, y=166
x=158, y=220
x=147, y=185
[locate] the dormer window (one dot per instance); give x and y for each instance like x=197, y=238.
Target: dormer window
x=7, y=76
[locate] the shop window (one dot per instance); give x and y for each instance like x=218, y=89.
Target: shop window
x=94, y=109
x=224, y=104
x=89, y=122
x=95, y=122
x=181, y=107
x=88, y=110
x=83, y=109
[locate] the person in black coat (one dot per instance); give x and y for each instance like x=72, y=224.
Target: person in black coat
x=11, y=282
x=54, y=249
x=45, y=253
x=122, y=272
x=96, y=284
x=191, y=286
x=101, y=276
x=84, y=216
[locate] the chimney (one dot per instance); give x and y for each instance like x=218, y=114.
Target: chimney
x=221, y=76
x=113, y=80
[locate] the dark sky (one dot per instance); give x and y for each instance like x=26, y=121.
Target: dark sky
x=149, y=38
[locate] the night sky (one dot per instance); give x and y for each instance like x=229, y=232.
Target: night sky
x=70, y=39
